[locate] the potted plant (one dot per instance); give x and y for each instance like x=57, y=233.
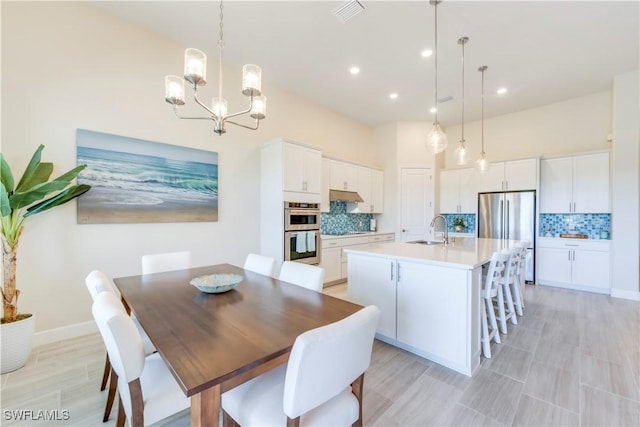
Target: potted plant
x=458, y=224
x=34, y=193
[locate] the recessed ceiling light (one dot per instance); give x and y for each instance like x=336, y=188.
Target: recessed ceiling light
x=354, y=70
x=502, y=91
x=433, y=110
x=426, y=53
x=393, y=95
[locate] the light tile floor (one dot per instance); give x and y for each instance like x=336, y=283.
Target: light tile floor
x=573, y=359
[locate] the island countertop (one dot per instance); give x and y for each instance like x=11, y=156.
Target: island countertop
x=463, y=253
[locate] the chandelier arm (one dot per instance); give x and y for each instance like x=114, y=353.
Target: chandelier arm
x=175, y=111
x=248, y=110
x=200, y=103
x=245, y=126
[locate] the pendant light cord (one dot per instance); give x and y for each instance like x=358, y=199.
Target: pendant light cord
x=435, y=59
x=463, y=41
x=482, y=70
x=221, y=47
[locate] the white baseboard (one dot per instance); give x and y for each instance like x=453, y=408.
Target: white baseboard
x=619, y=293
x=66, y=332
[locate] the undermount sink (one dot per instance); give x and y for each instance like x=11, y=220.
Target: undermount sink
x=428, y=242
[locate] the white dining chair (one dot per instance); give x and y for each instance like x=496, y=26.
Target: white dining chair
x=169, y=261
x=147, y=389
x=320, y=385
x=260, y=264
x=97, y=282
x=305, y=275
x=490, y=291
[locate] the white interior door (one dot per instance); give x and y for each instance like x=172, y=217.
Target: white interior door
x=416, y=189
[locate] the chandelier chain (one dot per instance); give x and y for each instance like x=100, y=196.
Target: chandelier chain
x=221, y=47
x=463, y=43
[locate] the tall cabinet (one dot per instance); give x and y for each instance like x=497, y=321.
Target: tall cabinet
x=458, y=191
x=289, y=171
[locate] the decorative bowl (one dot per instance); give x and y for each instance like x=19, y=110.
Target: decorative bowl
x=217, y=283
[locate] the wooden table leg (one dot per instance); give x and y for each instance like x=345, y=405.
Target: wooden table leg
x=205, y=408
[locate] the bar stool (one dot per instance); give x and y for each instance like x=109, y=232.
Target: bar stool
x=522, y=263
x=506, y=285
x=491, y=290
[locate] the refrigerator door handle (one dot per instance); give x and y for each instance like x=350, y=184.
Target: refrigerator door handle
x=506, y=222
x=501, y=219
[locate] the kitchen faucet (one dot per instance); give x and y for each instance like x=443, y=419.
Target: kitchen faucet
x=446, y=227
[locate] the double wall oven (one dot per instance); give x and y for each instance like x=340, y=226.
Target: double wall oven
x=302, y=232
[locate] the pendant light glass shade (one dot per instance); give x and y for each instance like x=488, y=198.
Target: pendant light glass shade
x=461, y=153
x=482, y=164
x=437, y=140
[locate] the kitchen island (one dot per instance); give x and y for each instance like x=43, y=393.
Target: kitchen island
x=429, y=296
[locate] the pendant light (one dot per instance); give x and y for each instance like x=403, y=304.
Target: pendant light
x=436, y=139
x=482, y=164
x=461, y=153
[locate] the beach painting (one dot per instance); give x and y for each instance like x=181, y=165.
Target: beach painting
x=136, y=181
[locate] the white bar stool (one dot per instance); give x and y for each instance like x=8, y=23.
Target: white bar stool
x=491, y=289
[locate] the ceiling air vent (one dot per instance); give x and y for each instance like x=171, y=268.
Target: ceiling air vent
x=347, y=10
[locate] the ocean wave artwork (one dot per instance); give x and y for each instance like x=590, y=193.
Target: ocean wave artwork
x=137, y=181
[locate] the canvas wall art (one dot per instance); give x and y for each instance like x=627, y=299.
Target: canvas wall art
x=135, y=181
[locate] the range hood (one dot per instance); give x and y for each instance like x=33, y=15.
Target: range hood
x=344, y=196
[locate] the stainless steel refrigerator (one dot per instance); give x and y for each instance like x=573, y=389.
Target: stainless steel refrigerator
x=510, y=215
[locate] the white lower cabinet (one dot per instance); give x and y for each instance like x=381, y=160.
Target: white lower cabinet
x=574, y=264
x=429, y=310
x=332, y=263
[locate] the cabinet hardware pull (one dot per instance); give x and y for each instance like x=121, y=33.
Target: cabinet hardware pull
x=392, y=272
x=569, y=253
x=398, y=272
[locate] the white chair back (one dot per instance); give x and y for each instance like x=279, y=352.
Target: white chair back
x=313, y=376
x=494, y=274
x=98, y=282
x=158, y=263
x=511, y=268
x=305, y=275
x=123, y=342
x=260, y=264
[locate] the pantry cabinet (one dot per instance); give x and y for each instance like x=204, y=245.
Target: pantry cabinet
x=458, y=191
x=575, y=184
x=574, y=264
x=512, y=175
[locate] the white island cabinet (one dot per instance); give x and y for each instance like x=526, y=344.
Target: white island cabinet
x=428, y=295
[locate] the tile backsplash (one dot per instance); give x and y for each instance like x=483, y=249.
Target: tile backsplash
x=589, y=224
x=469, y=220
x=338, y=221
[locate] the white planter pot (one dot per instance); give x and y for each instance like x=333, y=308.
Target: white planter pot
x=16, y=340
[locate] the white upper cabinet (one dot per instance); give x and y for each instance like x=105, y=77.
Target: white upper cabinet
x=512, y=175
x=458, y=191
x=377, y=191
x=370, y=188
x=576, y=184
x=302, y=169
x=325, y=204
x=344, y=176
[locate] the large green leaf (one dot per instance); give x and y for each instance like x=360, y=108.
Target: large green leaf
x=6, y=176
x=71, y=175
x=59, y=199
x=5, y=208
x=31, y=167
x=40, y=174
x=38, y=192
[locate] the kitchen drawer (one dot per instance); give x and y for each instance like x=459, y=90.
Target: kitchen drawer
x=379, y=238
x=357, y=240
x=583, y=244
x=331, y=243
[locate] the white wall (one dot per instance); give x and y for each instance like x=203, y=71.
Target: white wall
x=67, y=65
x=626, y=187
x=575, y=125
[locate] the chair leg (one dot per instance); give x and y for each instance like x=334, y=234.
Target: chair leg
x=113, y=386
x=356, y=388
x=228, y=421
x=293, y=422
x=121, y=414
x=501, y=313
x=509, y=299
x=517, y=297
x=486, y=343
x=492, y=321
x=105, y=374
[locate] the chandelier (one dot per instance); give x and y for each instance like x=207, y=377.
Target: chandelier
x=195, y=72
x=436, y=139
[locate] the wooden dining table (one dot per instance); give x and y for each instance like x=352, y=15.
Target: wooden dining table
x=214, y=342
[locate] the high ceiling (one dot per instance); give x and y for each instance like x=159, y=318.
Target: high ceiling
x=542, y=51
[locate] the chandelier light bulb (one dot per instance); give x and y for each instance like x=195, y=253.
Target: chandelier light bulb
x=251, y=80
x=219, y=106
x=174, y=90
x=436, y=139
x=195, y=66
x=482, y=164
x=259, y=107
